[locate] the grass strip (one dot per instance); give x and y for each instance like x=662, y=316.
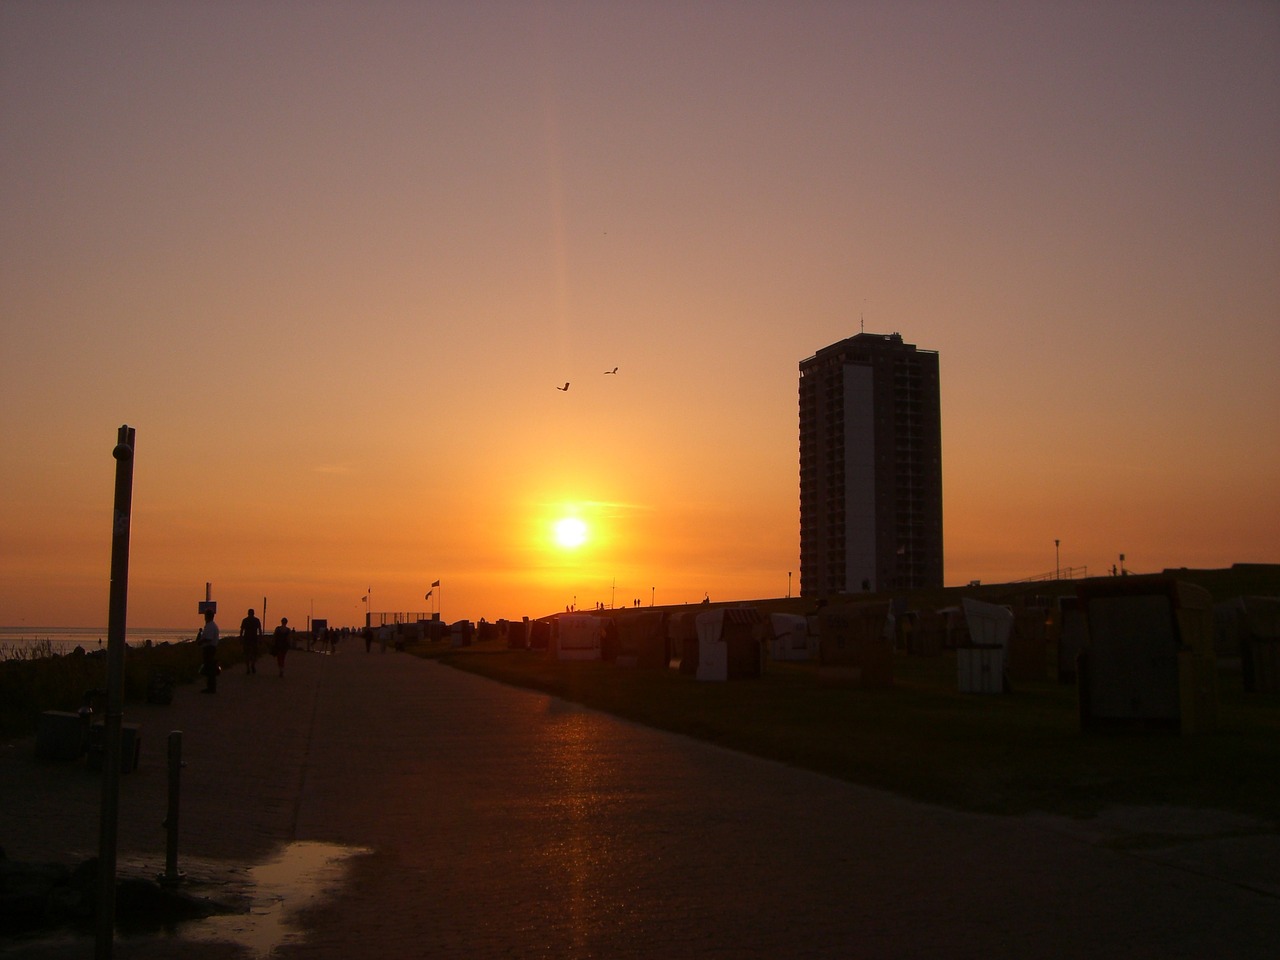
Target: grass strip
x=1004, y=754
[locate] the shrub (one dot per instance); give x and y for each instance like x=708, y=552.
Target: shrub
x=32, y=684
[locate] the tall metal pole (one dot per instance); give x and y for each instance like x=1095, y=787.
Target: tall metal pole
x=1057, y=563
x=116, y=618
x=172, y=876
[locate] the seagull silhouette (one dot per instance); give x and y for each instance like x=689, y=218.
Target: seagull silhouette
x=614, y=370
x=565, y=387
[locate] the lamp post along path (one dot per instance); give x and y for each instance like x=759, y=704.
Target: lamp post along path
x=116, y=619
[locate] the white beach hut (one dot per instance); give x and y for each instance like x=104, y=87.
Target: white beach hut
x=982, y=665
x=790, y=640
x=578, y=637
x=729, y=643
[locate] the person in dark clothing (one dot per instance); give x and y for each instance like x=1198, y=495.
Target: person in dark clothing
x=250, y=631
x=281, y=641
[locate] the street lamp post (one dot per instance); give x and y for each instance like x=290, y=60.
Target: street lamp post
x=109, y=811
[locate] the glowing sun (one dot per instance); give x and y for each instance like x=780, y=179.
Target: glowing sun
x=570, y=532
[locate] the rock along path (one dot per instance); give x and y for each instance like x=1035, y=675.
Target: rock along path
x=501, y=823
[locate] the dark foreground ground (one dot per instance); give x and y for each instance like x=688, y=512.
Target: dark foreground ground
x=424, y=812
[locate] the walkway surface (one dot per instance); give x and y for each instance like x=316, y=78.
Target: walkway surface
x=490, y=822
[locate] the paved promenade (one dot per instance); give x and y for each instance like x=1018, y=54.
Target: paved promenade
x=488, y=822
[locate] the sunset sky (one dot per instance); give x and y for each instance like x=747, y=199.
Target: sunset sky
x=331, y=260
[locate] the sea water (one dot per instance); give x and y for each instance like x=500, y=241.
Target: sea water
x=24, y=641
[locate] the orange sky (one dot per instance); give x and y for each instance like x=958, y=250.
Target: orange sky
x=332, y=260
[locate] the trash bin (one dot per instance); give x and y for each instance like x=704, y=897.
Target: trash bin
x=130, y=746
x=60, y=735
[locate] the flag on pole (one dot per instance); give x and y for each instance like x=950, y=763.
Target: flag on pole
x=435, y=583
x=364, y=599
x=428, y=596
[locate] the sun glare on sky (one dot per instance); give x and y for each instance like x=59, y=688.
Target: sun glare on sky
x=570, y=532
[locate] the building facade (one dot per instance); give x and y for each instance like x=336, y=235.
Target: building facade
x=870, y=467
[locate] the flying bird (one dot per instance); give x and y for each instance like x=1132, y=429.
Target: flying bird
x=614, y=370
x=565, y=387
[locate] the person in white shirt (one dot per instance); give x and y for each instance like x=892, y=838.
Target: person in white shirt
x=208, y=638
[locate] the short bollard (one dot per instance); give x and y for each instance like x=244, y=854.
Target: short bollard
x=171, y=875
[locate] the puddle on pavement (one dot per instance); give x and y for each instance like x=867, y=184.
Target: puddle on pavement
x=278, y=890
x=302, y=875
